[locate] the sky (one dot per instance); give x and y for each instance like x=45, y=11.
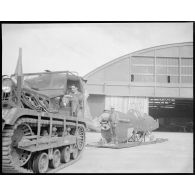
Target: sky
x=82, y=47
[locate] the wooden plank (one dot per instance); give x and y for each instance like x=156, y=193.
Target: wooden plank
x=39, y=129
x=126, y=145
x=43, y=143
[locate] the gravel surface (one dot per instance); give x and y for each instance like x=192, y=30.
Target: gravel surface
x=173, y=156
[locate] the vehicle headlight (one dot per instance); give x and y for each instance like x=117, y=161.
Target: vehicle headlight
x=6, y=85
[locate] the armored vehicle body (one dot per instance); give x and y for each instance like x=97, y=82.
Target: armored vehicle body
x=40, y=131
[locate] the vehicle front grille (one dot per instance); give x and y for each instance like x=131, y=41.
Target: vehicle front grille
x=6, y=97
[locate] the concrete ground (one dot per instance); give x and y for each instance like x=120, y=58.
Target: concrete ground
x=174, y=156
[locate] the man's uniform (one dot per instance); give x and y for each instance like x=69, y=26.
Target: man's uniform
x=77, y=102
x=113, y=118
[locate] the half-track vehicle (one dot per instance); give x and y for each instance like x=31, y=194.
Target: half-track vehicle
x=40, y=132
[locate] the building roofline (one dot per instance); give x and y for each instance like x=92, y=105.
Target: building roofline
x=136, y=53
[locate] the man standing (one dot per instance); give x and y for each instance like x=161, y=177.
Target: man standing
x=77, y=100
x=113, y=118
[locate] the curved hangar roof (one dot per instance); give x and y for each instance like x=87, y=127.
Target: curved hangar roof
x=162, y=71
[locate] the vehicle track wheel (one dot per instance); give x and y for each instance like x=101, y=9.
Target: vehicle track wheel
x=55, y=162
x=75, y=153
x=65, y=154
x=19, y=156
x=40, y=163
x=80, y=134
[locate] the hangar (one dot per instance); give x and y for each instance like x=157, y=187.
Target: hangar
x=156, y=80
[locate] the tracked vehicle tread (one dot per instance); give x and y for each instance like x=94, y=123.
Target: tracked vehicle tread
x=8, y=164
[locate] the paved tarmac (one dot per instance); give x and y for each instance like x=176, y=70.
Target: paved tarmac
x=173, y=156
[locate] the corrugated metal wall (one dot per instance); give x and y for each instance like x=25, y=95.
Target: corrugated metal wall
x=164, y=71
x=123, y=104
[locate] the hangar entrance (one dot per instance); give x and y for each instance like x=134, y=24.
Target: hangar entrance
x=96, y=104
x=174, y=114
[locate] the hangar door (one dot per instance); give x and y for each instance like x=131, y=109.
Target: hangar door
x=96, y=104
x=123, y=104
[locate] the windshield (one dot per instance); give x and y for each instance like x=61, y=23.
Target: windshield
x=44, y=81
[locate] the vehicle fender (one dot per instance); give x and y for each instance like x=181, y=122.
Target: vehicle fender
x=9, y=116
